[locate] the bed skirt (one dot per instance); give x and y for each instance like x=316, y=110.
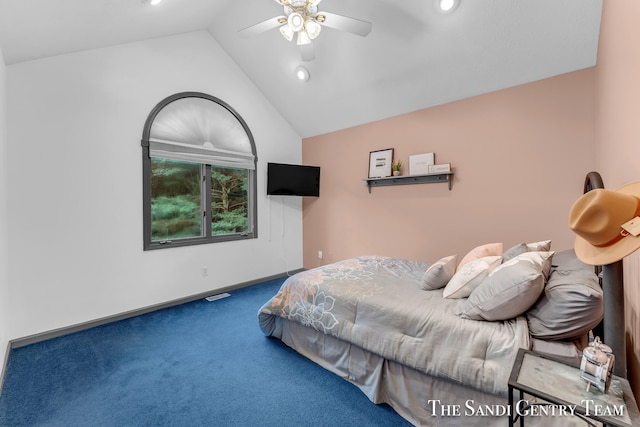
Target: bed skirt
x=417, y=397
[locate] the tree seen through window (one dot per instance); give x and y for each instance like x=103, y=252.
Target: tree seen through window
x=176, y=195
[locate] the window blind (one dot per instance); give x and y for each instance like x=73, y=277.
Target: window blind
x=200, y=130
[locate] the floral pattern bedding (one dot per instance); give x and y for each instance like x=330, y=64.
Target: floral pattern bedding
x=376, y=303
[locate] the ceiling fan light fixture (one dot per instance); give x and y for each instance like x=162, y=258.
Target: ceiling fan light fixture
x=302, y=73
x=303, y=37
x=447, y=6
x=287, y=32
x=295, y=21
x=313, y=28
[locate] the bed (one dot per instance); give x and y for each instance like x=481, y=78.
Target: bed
x=421, y=336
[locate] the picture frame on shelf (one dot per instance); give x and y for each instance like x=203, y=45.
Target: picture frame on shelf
x=380, y=163
x=419, y=164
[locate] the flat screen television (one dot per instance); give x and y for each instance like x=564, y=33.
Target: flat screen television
x=293, y=180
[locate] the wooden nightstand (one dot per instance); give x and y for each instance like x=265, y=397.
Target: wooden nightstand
x=564, y=393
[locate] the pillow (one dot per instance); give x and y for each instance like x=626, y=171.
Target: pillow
x=568, y=261
x=470, y=276
x=572, y=302
x=543, y=246
x=490, y=249
x=439, y=273
x=510, y=290
x=514, y=252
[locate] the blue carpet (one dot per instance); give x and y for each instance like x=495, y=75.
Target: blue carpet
x=197, y=364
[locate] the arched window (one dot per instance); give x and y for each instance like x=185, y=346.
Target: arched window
x=198, y=162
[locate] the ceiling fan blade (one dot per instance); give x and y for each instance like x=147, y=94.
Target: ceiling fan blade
x=344, y=23
x=263, y=26
x=287, y=3
x=307, y=52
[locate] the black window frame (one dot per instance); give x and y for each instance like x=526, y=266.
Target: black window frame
x=207, y=238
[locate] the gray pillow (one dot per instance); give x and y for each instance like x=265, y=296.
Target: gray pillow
x=514, y=251
x=510, y=290
x=567, y=261
x=439, y=273
x=571, y=304
x=542, y=246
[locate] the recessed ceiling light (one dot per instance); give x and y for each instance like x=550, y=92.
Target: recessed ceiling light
x=155, y=2
x=302, y=73
x=447, y=6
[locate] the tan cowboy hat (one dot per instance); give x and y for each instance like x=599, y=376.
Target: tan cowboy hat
x=597, y=218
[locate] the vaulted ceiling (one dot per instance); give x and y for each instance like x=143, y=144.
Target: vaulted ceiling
x=415, y=57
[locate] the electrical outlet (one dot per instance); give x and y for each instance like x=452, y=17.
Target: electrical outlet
x=205, y=271
x=320, y=254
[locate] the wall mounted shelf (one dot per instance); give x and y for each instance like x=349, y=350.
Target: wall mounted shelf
x=431, y=178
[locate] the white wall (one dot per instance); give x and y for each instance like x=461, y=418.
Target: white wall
x=4, y=264
x=75, y=173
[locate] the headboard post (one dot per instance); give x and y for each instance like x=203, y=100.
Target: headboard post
x=613, y=289
x=614, y=325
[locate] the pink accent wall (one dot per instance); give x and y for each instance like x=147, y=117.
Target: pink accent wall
x=519, y=155
x=618, y=140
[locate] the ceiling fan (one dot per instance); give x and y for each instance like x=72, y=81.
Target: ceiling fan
x=302, y=19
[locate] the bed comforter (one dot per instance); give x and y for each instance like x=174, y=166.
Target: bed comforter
x=376, y=303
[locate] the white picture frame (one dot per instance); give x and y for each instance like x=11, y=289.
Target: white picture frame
x=380, y=163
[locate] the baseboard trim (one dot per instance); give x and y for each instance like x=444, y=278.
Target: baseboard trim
x=55, y=333
x=5, y=363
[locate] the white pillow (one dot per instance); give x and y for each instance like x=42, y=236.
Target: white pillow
x=542, y=246
x=510, y=289
x=490, y=249
x=439, y=273
x=470, y=276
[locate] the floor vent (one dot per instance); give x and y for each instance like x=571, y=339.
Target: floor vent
x=217, y=297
